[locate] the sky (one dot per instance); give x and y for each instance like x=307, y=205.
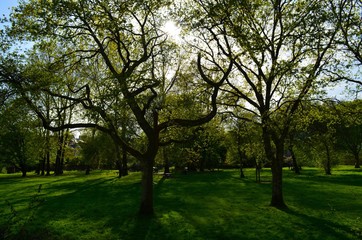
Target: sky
x=5, y=6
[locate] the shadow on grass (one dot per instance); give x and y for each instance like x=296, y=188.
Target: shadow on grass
x=210, y=205
x=321, y=227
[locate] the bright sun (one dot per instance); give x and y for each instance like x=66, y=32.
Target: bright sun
x=172, y=30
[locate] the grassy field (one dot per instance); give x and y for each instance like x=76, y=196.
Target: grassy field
x=210, y=205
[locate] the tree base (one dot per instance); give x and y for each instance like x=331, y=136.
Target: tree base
x=279, y=205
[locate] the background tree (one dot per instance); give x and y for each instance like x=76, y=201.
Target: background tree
x=321, y=123
x=279, y=50
x=244, y=144
x=349, y=128
x=19, y=138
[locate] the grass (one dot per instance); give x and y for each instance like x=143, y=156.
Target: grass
x=210, y=205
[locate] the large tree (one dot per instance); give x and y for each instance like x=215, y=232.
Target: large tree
x=105, y=52
x=279, y=49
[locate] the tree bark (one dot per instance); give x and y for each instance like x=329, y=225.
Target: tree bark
x=146, y=207
x=57, y=167
x=48, y=161
x=276, y=158
x=166, y=162
x=294, y=160
x=277, y=177
x=43, y=166
x=124, y=162
x=327, y=165
x=356, y=158
x=118, y=159
x=241, y=155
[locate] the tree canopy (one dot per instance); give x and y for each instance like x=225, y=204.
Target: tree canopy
x=111, y=66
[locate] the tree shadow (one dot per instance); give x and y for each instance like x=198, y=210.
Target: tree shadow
x=320, y=225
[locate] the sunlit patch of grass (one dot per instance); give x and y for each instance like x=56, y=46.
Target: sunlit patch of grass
x=210, y=205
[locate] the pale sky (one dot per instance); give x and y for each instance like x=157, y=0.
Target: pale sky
x=5, y=6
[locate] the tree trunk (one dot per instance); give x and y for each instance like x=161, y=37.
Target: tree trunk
x=43, y=166
x=277, y=166
x=241, y=155
x=124, y=162
x=62, y=155
x=166, y=162
x=47, y=148
x=146, y=207
x=294, y=160
x=257, y=172
x=87, y=170
x=48, y=162
x=327, y=165
x=38, y=166
x=58, y=160
x=118, y=158
x=23, y=173
x=356, y=158
x=57, y=167
x=241, y=171
x=277, y=177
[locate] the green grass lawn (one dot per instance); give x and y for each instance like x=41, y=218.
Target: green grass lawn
x=210, y=205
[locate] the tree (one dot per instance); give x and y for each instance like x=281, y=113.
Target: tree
x=321, y=128
x=245, y=143
x=19, y=137
x=349, y=128
x=117, y=43
x=347, y=14
x=279, y=50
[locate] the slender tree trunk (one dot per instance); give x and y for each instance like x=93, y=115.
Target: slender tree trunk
x=58, y=160
x=48, y=162
x=64, y=145
x=38, y=166
x=257, y=172
x=356, y=158
x=57, y=167
x=294, y=160
x=327, y=165
x=166, y=162
x=87, y=170
x=241, y=156
x=118, y=161
x=43, y=166
x=242, y=175
x=47, y=136
x=146, y=207
x=124, y=162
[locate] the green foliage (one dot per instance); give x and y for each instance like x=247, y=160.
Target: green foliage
x=20, y=138
x=349, y=129
x=317, y=135
x=97, y=150
x=202, y=148
x=245, y=143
